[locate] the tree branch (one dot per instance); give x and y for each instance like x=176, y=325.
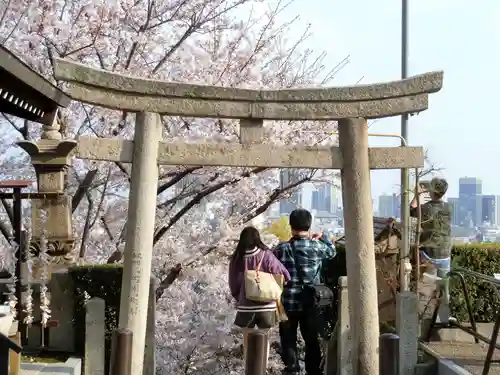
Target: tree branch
x=8, y=209
x=177, y=178
x=82, y=189
x=5, y=231
x=175, y=271
x=197, y=199
x=273, y=197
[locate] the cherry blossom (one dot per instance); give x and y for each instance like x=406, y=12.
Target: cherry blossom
x=235, y=43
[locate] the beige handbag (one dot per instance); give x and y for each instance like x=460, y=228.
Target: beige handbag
x=280, y=310
x=261, y=286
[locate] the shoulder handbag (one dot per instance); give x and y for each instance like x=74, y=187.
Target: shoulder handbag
x=313, y=295
x=261, y=286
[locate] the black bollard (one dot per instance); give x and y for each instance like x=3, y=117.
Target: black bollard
x=256, y=353
x=389, y=354
x=121, y=352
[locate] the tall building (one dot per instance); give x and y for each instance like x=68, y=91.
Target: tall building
x=322, y=197
x=289, y=176
x=469, y=192
x=389, y=206
x=455, y=211
x=185, y=186
x=490, y=209
x=336, y=200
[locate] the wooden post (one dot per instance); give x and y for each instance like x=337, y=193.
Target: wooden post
x=15, y=358
x=7, y=345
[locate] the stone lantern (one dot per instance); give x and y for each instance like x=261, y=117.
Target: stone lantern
x=51, y=158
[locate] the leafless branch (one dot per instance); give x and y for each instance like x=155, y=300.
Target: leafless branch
x=82, y=189
x=197, y=199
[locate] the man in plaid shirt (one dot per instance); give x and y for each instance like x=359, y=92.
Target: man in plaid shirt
x=310, y=252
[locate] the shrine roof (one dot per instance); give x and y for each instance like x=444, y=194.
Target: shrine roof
x=383, y=227
x=24, y=93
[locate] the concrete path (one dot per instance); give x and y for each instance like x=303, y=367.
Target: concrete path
x=468, y=355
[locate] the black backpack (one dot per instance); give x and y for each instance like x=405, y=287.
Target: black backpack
x=317, y=301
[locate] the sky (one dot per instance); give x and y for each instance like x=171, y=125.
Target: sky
x=459, y=129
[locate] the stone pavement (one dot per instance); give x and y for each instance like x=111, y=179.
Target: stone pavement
x=468, y=355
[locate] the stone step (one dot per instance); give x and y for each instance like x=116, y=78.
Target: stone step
x=73, y=366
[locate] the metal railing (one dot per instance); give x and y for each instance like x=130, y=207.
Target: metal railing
x=460, y=273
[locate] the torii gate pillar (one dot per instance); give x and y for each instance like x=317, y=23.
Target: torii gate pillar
x=358, y=224
x=140, y=232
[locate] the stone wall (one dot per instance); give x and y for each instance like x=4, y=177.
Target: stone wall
x=62, y=338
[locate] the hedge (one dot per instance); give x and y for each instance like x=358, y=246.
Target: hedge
x=483, y=258
x=103, y=281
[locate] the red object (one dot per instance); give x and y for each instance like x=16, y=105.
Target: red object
x=9, y=184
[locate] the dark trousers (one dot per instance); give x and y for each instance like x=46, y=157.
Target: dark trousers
x=288, y=336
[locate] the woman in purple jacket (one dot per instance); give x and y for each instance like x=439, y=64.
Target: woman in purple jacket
x=249, y=252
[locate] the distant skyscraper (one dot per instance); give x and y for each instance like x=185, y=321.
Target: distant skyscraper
x=322, y=197
x=490, y=209
x=469, y=191
x=455, y=211
x=289, y=176
x=184, y=187
x=389, y=206
x=336, y=199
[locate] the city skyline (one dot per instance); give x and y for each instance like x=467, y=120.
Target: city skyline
x=471, y=208
x=453, y=187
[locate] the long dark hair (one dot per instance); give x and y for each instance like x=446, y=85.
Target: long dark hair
x=249, y=239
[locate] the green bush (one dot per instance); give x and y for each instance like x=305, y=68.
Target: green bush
x=482, y=258
x=102, y=281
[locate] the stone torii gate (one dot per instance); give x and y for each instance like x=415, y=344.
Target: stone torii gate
x=351, y=106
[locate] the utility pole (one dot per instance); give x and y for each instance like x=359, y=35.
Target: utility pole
x=405, y=209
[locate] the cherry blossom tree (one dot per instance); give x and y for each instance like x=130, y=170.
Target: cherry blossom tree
x=234, y=43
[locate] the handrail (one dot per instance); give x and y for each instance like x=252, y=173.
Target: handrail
x=480, y=276
x=460, y=272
